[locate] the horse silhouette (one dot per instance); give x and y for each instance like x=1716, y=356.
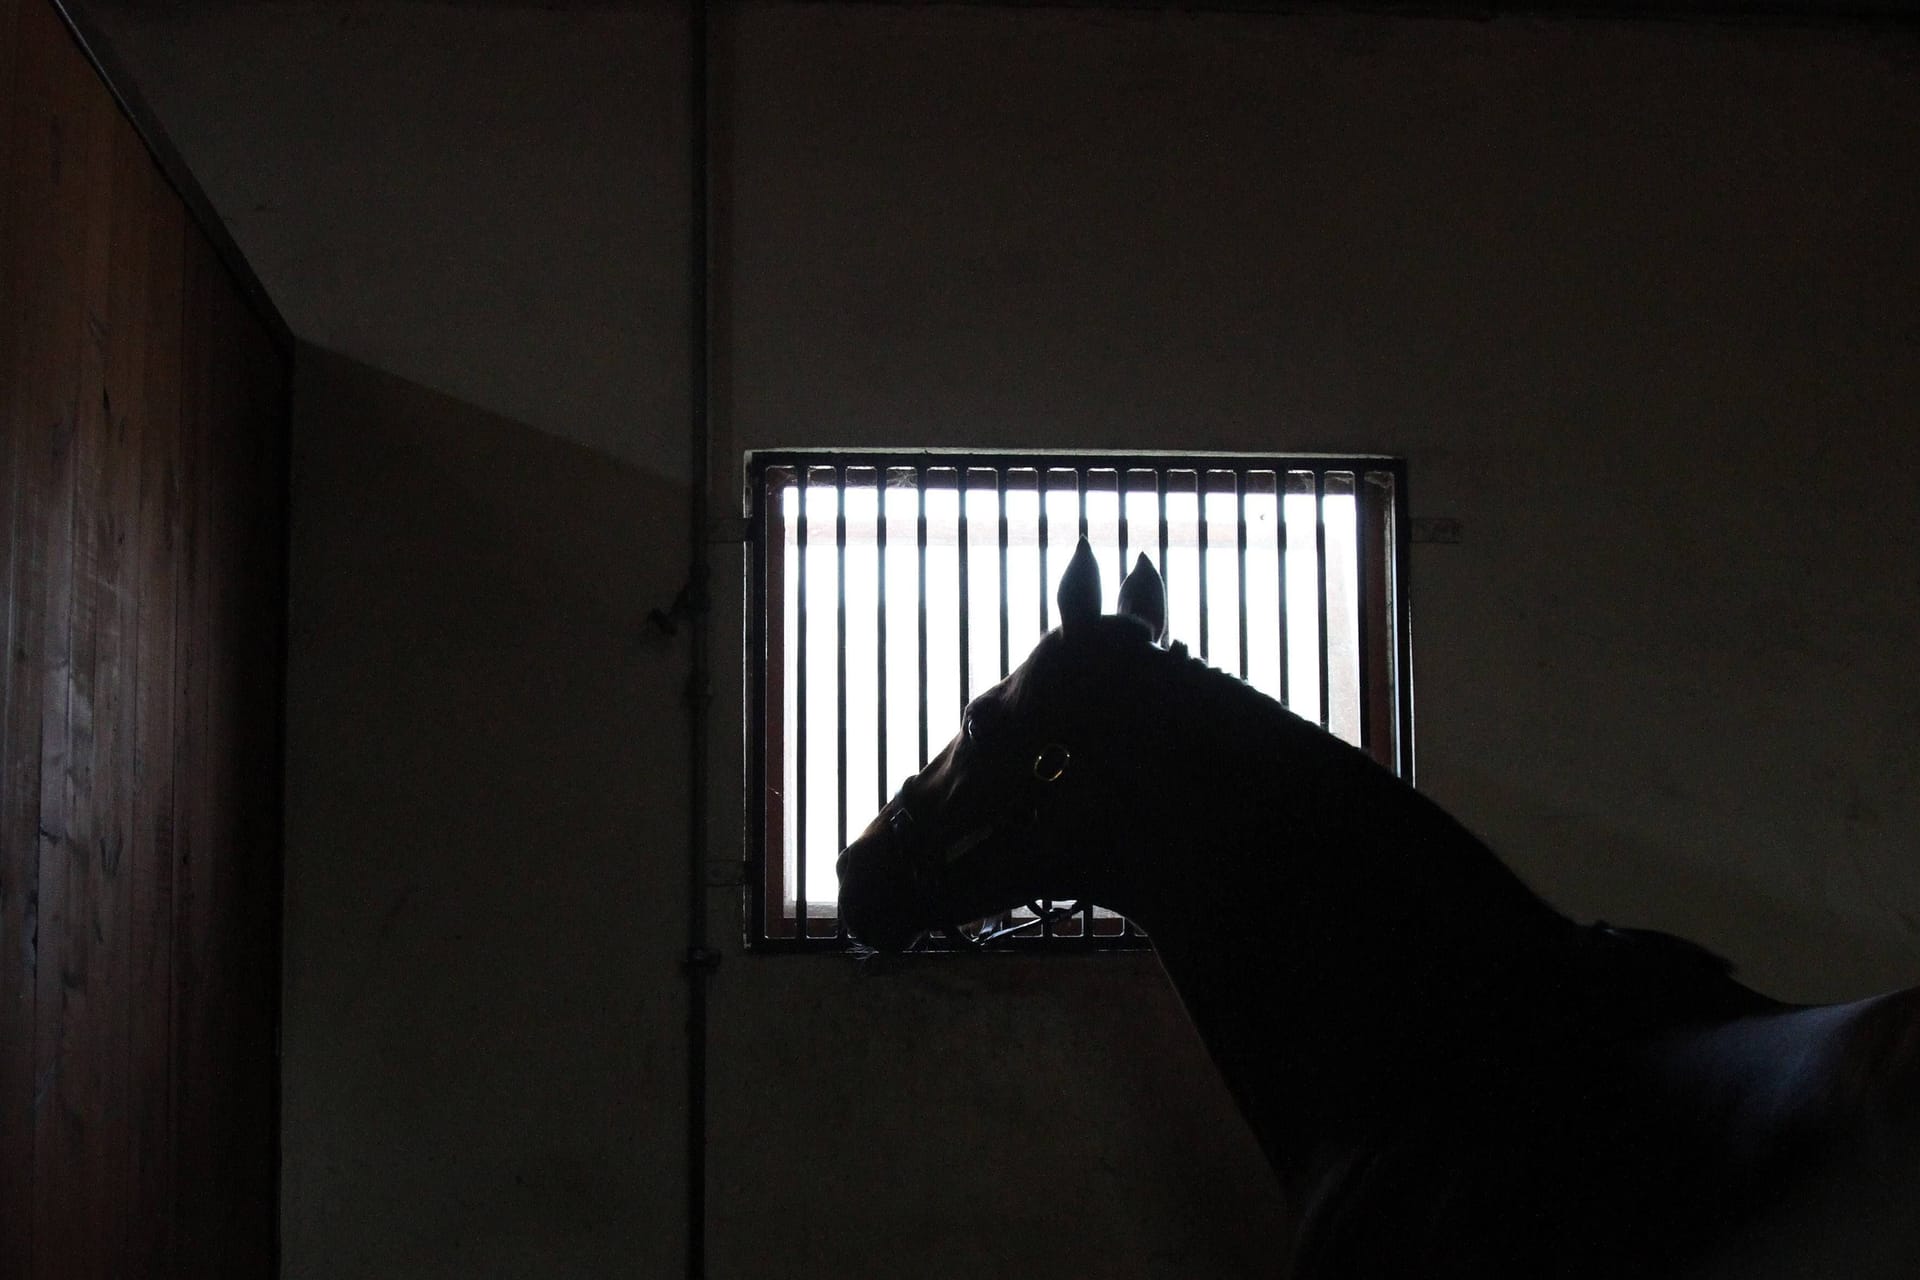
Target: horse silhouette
x=1449, y=1077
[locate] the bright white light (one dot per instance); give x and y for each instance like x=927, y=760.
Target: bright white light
x=1263, y=590
x=1303, y=607
x=1223, y=581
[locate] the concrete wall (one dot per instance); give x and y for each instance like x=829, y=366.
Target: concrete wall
x=1636, y=302
x=481, y=1063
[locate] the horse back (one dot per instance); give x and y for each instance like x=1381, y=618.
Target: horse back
x=1826, y=1101
x=1877, y=1064
x=1777, y=1144
x=1816, y=1076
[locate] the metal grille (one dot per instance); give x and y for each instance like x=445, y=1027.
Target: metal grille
x=888, y=590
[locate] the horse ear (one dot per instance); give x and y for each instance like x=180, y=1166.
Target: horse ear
x=1144, y=596
x=1079, y=594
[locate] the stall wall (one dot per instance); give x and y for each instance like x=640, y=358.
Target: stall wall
x=1635, y=301
x=143, y=413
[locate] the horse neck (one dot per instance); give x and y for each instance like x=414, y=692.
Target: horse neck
x=1336, y=938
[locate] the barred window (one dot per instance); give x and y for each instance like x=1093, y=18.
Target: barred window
x=888, y=590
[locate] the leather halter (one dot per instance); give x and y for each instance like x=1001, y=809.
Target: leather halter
x=929, y=868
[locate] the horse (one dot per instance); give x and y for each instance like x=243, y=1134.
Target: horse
x=1448, y=1076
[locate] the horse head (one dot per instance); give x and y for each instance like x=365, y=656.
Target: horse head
x=1020, y=806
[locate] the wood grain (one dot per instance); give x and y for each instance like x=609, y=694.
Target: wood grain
x=150, y=945
x=142, y=550
x=19, y=765
x=54, y=140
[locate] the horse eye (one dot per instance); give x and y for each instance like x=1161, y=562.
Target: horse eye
x=1051, y=763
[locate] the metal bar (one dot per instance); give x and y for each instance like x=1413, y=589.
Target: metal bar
x=1043, y=533
x=802, y=705
x=987, y=460
x=1280, y=479
x=1240, y=516
x=880, y=632
x=840, y=662
x=1320, y=576
x=920, y=542
x=1403, y=619
x=1080, y=495
x=1362, y=602
x=966, y=596
x=1160, y=504
x=1040, y=490
x=1040, y=480
x=1200, y=506
x=1080, y=499
x=1000, y=505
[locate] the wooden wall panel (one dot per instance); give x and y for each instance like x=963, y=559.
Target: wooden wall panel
x=142, y=501
x=150, y=1170
x=18, y=863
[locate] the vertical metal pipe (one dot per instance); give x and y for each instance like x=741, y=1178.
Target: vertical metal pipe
x=697, y=964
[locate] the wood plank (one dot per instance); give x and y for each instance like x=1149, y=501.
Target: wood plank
x=217, y=993
x=52, y=137
x=119, y=565
x=9, y=97
x=150, y=983
x=142, y=508
x=75, y=1124
x=9, y=84
x=23, y=208
x=142, y=491
x=196, y=1209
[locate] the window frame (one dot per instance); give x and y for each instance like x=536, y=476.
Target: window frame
x=1382, y=597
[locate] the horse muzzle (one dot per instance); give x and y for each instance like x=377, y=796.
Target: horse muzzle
x=881, y=901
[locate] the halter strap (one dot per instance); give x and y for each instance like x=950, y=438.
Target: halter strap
x=929, y=872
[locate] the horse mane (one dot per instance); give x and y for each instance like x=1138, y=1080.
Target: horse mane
x=1621, y=979
x=1646, y=980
